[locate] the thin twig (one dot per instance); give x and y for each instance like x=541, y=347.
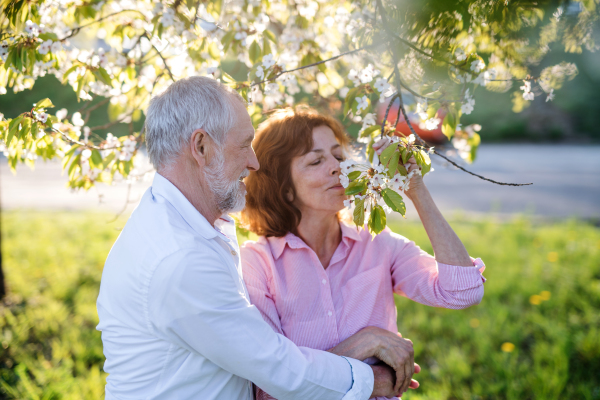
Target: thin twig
x=314, y=64
x=161, y=56
x=387, y=111
x=76, y=30
x=124, y=207
x=479, y=176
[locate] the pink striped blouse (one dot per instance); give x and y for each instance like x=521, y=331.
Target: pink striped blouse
x=319, y=308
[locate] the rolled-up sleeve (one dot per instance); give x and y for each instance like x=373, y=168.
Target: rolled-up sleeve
x=418, y=276
x=194, y=302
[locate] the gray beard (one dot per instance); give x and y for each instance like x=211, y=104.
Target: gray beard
x=228, y=195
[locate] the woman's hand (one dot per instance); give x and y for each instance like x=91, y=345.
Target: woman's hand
x=390, y=348
x=416, y=185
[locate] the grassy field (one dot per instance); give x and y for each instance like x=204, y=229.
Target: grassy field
x=536, y=334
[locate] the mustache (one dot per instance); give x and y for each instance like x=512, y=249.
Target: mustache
x=244, y=174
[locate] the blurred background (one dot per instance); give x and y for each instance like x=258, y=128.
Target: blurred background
x=536, y=334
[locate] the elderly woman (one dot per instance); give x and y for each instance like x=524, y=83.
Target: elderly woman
x=319, y=281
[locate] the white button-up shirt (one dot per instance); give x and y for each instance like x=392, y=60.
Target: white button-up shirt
x=177, y=322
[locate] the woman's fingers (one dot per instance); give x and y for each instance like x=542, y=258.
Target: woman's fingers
x=381, y=145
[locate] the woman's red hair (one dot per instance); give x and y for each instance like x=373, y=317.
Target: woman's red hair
x=285, y=135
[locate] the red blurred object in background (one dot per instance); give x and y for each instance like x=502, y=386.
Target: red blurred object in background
x=432, y=136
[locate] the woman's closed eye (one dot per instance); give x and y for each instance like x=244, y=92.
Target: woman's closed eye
x=318, y=160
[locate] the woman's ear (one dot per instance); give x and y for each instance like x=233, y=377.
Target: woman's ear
x=290, y=195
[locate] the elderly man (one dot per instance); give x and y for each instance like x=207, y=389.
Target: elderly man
x=174, y=312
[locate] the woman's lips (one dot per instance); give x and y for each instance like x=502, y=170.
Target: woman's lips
x=337, y=187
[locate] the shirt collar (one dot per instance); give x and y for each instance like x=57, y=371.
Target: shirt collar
x=294, y=242
x=161, y=186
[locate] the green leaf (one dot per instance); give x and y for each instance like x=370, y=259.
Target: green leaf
x=377, y=220
x=393, y=165
x=68, y=155
x=96, y=159
x=254, y=52
x=13, y=127
x=227, y=39
x=104, y=76
x=269, y=35
x=25, y=128
x=266, y=47
x=45, y=103
x=353, y=175
x=387, y=153
x=394, y=201
x=68, y=72
x=423, y=161
x=48, y=35
x=227, y=78
x=474, y=142
x=352, y=93
x=406, y=154
x=74, y=164
x=359, y=212
x=371, y=131
x=356, y=187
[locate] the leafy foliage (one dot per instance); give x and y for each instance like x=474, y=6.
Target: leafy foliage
x=434, y=54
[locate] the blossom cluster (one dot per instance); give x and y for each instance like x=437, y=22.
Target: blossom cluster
x=380, y=182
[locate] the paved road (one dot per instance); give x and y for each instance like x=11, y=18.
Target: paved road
x=566, y=183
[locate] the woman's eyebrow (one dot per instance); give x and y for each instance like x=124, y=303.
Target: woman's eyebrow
x=335, y=146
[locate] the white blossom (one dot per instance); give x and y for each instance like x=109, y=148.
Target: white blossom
x=432, y=123
x=397, y=181
x=56, y=47
x=45, y=47
x=527, y=93
x=382, y=85
x=42, y=117
x=362, y=103
x=268, y=61
x=477, y=66
x=31, y=28
x=467, y=108
x=550, y=96
x=348, y=203
x=346, y=167
x=353, y=76
x=77, y=120
x=460, y=54
x=260, y=73
x=344, y=181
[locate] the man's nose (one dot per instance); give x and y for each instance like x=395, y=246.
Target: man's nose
x=253, y=164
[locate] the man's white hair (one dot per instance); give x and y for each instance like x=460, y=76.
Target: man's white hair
x=192, y=103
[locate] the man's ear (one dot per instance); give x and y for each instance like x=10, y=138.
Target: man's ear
x=200, y=146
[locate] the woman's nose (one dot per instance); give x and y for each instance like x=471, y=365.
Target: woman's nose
x=336, y=167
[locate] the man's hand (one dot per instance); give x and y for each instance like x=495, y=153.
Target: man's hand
x=390, y=348
x=385, y=379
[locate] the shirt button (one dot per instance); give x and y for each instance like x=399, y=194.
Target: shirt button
x=233, y=253
x=324, y=281
x=329, y=313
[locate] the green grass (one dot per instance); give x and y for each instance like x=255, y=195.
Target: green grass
x=53, y=263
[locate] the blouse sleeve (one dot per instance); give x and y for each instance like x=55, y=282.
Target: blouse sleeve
x=418, y=276
x=257, y=280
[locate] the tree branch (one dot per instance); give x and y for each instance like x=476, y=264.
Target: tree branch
x=314, y=64
x=419, y=140
x=161, y=57
x=75, y=31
